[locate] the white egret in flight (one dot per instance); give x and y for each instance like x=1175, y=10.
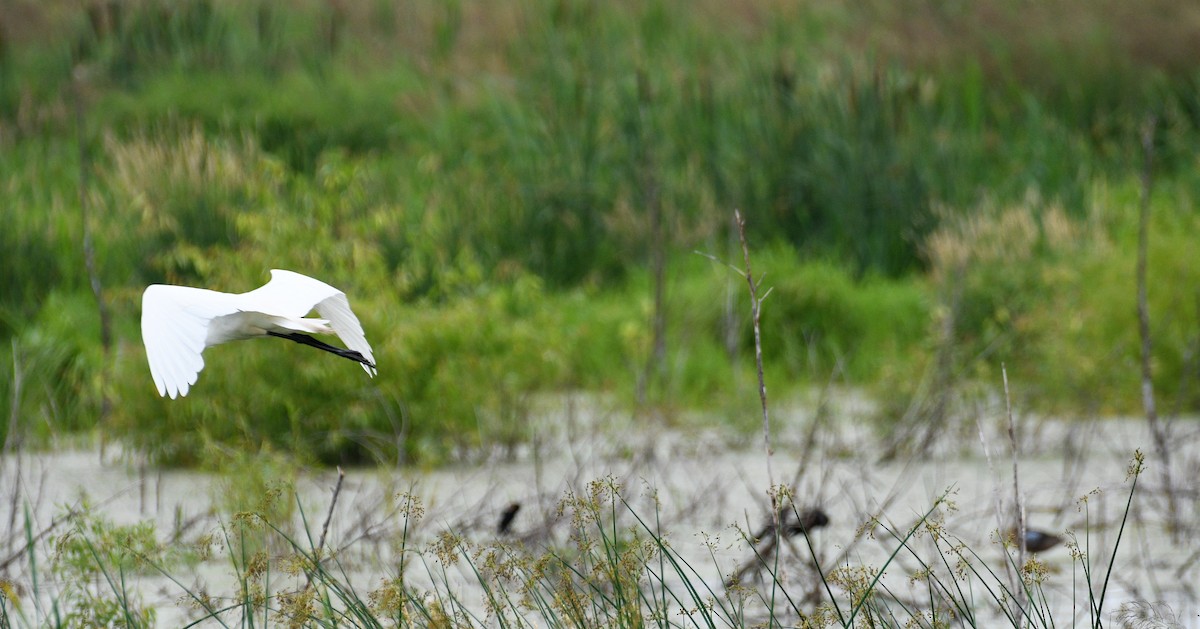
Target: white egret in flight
x=179, y=323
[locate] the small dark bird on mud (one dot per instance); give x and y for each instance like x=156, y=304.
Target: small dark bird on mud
x=506, y=518
x=1038, y=541
x=794, y=524
x=807, y=521
x=766, y=541
x=1035, y=541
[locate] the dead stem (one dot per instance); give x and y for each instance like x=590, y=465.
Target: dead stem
x=89, y=251
x=755, y=310
x=648, y=183
x=71, y=513
x=337, y=489
x=1158, y=431
x=1018, y=503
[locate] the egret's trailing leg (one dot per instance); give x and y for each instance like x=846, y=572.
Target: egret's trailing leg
x=305, y=339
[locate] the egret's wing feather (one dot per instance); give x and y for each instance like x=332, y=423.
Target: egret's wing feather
x=169, y=359
x=174, y=329
x=288, y=294
x=294, y=295
x=341, y=318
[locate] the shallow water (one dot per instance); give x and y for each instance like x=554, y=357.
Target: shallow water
x=704, y=491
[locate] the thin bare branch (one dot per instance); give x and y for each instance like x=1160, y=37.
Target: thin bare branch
x=756, y=311
x=1018, y=501
x=337, y=489
x=1158, y=431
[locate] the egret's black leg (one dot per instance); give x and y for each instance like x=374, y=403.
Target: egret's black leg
x=305, y=339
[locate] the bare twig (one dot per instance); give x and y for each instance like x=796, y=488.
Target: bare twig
x=89, y=250
x=337, y=489
x=648, y=183
x=1158, y=431
x=1018, y=502
x=12, y=438
x=54, y=523
x=997, y=504
x=928, y=412
x=755, y=311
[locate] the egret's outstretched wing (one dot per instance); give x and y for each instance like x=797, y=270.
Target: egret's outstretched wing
x=294, y=295
x=347, y=327
x=175, y=323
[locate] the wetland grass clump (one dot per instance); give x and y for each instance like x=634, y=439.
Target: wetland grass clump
x=612, y=565
x=1033, y=286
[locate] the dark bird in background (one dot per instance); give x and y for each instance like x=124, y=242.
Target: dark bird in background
x=766, y=542
x=807, y=521
x=1037, y=541
x=506, y=518
x=793, y=523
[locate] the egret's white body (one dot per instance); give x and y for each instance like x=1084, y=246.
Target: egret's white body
x=179, y=323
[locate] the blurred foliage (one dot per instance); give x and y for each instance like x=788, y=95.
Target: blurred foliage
x=1053, y=298
x=94, y=558
x=478, y=177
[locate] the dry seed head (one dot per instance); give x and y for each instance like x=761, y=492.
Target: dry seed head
x=1058, y=229
x=868, y=528
x=297, y=607
x=198, y=599
x=568, y=600
x=1034, y=571
x=602, y=489
x=920, y=576
x=437, y=615
x=1081, y=504
x=961, y=568
x=271, y=495
x=388, y=598
x=188, y=161
x=1136, y=465
x=410, y=506
x=10, y=590
x=853, y=578
x=60, y=542
x=257, y=566
x=446, y=547
x=987, y=235
x=250, y=519
x=934, y=526
x=255, y=594
x=1073, y=546
x=295, y=564
x=824, y=616
x=203, y=546
x=497, y=561
x=538, y=570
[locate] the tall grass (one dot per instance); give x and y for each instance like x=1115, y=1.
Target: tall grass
x=491, y=167
x=615, y=565
x=1030, y=286
x=845, y=153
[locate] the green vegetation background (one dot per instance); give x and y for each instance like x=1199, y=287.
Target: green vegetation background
x=931, y=188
